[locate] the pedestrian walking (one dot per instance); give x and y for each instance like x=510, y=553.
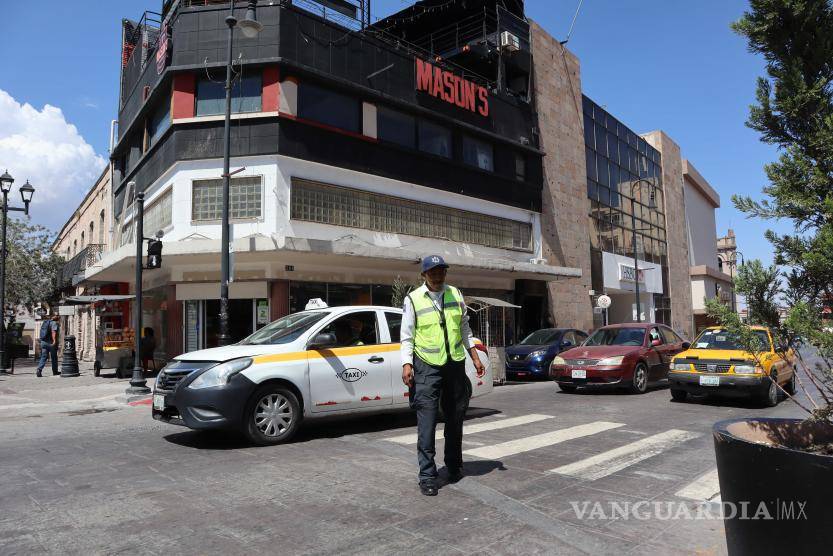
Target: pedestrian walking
x=49, y=331
x=435, y=336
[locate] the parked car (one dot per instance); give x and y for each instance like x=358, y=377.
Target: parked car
x=533, y=355
x=715, y=364
x=631, y=355
x=336, y=361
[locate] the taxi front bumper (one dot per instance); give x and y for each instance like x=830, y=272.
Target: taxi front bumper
x=728, y=383
x=218, y=407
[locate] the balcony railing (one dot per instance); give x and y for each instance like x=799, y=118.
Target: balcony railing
x=85, y=258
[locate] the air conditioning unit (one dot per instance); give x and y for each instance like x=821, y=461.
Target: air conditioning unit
x=509, y=41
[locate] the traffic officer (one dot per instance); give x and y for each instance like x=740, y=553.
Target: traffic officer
x=435, y=337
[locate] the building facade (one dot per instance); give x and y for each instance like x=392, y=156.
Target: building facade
x=82, y=241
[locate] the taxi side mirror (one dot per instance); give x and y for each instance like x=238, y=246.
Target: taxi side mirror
x=686, y=345
x=322, y=340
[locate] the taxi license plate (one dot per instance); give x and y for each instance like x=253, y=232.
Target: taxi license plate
x=579, y=373
x=159, y=402
x=709, y=381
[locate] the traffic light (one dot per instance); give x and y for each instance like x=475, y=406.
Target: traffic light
x=154, y=253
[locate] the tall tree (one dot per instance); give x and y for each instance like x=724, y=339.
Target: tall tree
x=31, y=266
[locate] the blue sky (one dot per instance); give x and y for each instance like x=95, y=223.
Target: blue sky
x=654, y=64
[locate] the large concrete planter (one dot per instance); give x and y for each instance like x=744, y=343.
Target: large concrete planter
x=776, y=499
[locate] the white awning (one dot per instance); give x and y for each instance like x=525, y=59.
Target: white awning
x=490, y=301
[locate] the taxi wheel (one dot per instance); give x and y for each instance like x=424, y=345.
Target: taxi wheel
x=769, y=398
x=639, y=384
x=272, y=415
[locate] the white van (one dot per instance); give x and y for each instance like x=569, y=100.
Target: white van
x=323, y=362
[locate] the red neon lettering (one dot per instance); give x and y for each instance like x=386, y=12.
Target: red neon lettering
x=468, y=94
x=437, y=90
x=459, y=92
x=425, y=72
x=483, y=94
x=448, y=90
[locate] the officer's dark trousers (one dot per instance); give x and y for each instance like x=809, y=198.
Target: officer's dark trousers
x=436, y=387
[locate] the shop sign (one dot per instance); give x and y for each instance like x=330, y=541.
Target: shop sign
x=263, y=312
x=626, y=274
x=453, y=89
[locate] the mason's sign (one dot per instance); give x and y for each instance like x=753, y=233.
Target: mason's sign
x=627, y=274
x=451, y=88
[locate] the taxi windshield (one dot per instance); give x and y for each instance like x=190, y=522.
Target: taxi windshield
x=285, y=329
x=540, y=338
x=616, y=337
x=721, y=339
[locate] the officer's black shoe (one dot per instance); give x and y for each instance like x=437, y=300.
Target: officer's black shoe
x=454, y=475
x=428, y=489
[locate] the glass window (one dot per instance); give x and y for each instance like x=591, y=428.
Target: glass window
x=604, y=195
x=396, y=127
x=394, y=325
x=588, y=132
x=591, y=164
x=286, y=329
x=617, y=337
x=158, y=215
x=159, y=121
x=354, y=329
x=245, y=96
x=669, y=335
x=244, y=199
x=520, y=167
x=601, y=146
x=329, y=107
x=341, y=206
x=434, y=139
x=612, y=147
x=478, y=153
x=592, y=190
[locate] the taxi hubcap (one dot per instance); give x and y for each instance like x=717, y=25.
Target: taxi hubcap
x=273, y=415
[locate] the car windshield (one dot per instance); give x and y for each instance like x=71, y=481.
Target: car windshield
x=539, y=338
x=616, y=337
x=721, y=339
x=285, y=329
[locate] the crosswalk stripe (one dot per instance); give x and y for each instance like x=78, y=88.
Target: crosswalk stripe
x=606, y=463
x=528, y=443
x=478, y=427
x=705, y=487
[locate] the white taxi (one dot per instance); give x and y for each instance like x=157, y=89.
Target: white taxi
x=316, y=363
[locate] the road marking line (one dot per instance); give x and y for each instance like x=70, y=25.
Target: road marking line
x=503, y=423
x=705, y=487
x=607, y=463
x=528, y=443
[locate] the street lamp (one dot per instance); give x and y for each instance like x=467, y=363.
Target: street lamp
x=250, y=27
x=26, y=192
x=651, y=205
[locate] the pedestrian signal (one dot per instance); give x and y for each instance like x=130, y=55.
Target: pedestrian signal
x=154, y=254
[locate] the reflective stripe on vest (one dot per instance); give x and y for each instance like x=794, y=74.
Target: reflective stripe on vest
x=429, y=337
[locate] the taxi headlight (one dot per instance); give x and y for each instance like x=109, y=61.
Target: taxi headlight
x=539, y=353
x=218, y=375
x=681, y=366
x=611, y=361
x=746, y=369
x=558, y=360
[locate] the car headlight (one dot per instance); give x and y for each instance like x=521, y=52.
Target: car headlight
x=539, y=353
x=558, y=360
x=218, y=375
x=681, y=366
x=746, y=369
x=610, y=361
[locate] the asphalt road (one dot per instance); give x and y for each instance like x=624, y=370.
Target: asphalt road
x=115, y=481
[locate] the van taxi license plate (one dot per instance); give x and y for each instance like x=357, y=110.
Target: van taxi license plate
x=709, y=381
x=159, y=402
x=579, y=373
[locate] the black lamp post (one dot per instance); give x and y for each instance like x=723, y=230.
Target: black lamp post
x=26, y=192
x=651, y=205
x=250, y=27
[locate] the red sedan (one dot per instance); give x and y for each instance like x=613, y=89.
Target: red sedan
x=632, y=355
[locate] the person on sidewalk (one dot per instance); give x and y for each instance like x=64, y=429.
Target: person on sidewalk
x=435, y=336
x=49, y=344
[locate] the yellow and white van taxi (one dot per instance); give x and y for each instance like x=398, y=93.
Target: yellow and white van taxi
x=318, y=363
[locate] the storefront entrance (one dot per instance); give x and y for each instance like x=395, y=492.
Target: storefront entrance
x=202, y=321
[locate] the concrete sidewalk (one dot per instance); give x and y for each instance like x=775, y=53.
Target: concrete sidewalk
x=23, y=394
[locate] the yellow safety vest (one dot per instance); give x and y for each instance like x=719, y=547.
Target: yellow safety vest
x=432, y=340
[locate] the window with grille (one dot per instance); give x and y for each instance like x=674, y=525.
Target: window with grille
x=342, y=206
x=245, y=199
x=158, y=216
